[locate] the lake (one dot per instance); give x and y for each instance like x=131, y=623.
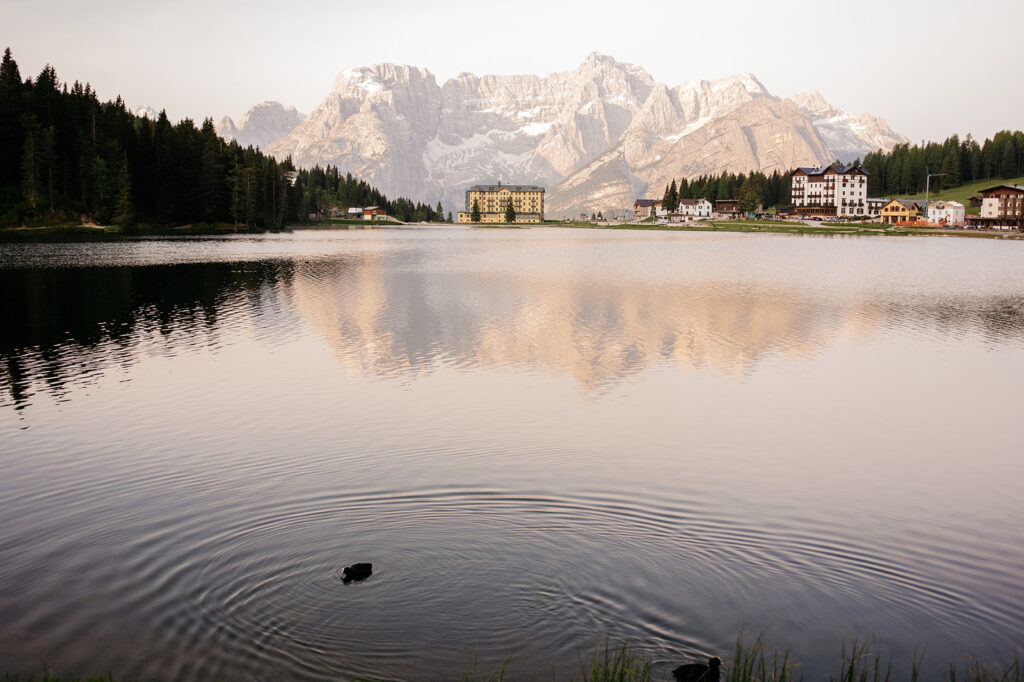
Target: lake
x=540, y=438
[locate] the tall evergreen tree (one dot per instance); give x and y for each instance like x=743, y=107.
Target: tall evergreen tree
x=124, y=214
x=951, y=169
x=510, y=212
x=31, y=165
x=474, y=215
x=1008, y=161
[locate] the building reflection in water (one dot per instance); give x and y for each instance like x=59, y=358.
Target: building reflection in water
x=384, y=314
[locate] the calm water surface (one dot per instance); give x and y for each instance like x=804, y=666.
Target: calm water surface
x=538, y=437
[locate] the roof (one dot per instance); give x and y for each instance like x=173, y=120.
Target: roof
x=355, y=209
x=910, y=204
x=840, y=169
x=944, y=204
x=646, y=202
x=691, y=202
x=1018, y=188
x=370, y=208
x=511, y=188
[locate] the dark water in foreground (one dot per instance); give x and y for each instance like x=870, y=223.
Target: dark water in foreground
x=538, y=437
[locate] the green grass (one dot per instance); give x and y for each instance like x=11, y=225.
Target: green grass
x=346, y=221
x=78, y=232
x=789, y=227
x=859, y=660
x=961, y=193
x=622, y=664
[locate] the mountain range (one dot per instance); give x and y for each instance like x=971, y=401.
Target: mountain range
x=595, y=137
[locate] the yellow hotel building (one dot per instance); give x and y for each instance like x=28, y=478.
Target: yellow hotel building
x=527, y=201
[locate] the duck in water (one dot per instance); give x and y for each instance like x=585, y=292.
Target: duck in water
x=356, y=572
x=698, y=672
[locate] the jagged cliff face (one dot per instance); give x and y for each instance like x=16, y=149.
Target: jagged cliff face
x=261, y=125
x=595, y=137
x=848, y=136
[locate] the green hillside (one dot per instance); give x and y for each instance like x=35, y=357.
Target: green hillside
x=963, y=193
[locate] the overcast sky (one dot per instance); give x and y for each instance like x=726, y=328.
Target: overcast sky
x=931, y=68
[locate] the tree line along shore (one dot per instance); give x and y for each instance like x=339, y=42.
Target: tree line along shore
x=80, y=168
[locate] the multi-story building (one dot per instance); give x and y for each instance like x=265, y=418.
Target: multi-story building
x=1003, y=202
x=492, y=200
x=902, y=211
x=835, y=190
x=873, y=206
x=727, y=208
x=948, y=212
x=694, y=209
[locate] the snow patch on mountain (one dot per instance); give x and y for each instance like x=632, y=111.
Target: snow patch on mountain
x=591, y=135
x=849, y=136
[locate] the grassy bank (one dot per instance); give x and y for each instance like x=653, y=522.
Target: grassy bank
x=344, y=222
x=112, y=233
x=962, y=193
x=857, y=660
x=789, y=227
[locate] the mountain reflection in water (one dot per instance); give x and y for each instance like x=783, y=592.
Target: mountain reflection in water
x=537, y=437
x=380, y=317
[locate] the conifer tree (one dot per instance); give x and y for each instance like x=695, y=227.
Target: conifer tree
x=474, y=215
x=31, y=165
x=510, y=212
x=748, y=195
x=951, y=169
x=124, y=214
x=1008, y=163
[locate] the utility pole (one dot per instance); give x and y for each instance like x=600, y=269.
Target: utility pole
x=927, y=187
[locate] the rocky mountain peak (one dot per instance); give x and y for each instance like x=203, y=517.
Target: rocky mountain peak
x=261, y=125
x=373, y=79
x=146, y=111
x=593, y=136
x=814, y=103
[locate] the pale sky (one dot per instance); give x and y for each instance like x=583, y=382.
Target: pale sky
x=930, y=68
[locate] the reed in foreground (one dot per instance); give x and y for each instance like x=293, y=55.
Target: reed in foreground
x=860, y=660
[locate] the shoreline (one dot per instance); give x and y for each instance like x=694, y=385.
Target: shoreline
x=790, y=227
x=92, y=232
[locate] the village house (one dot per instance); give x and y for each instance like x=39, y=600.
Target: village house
x=645, y=208
x=873, y=207
x=728, y=209
x=492, y=200
x=355, y=213
x=833, y=191
x=694, y=209
x=1003, y=204
x=902, y=211
x=374, y=213
x=950, y=213
x=1002, y=208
